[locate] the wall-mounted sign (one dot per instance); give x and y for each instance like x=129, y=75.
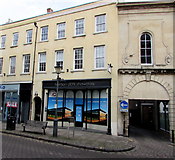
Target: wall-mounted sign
x=123, y=106
x=11, y=87
x=12, y=104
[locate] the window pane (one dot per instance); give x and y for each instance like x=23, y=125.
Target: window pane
x=78, y=58
x=12, y=65
x=142, y=44
x=42, y=62
x=143, y=60
x=142, y=37
x=148, y=37
x=79, y=27
x=15, y=39
x=142, y=52
x=59, y=58
x=100, y=23
x=44, y=33
x=26, y=62
x=148, y=44
x=148, y=59
x=99, y=57
x=3, y=39
x=29, y=36
x=61, y=30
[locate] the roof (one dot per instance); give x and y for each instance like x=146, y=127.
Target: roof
x=61, y=12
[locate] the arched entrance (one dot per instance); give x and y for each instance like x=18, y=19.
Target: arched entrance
x=37, y=101
x=149, y=103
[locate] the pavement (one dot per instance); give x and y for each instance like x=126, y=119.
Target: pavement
x=81, y=138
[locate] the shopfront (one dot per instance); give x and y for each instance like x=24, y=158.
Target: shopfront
x=15, y=101
x=88, y=101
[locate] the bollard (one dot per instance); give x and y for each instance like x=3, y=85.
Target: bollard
x=172, y=136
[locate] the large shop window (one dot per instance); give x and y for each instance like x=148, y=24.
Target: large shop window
x=94, y=104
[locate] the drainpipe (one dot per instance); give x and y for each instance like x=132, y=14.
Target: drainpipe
x=33, y=69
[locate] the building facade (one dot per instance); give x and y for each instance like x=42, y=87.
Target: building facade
x=111, y=54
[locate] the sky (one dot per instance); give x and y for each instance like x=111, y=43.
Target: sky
x=22, y=9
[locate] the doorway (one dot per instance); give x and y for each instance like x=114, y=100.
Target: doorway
x=149, y=114
x=37, y=108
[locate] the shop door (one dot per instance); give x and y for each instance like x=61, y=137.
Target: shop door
x=79, y=115
x=79, y=109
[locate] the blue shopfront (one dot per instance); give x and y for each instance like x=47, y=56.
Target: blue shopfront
x=88, y=101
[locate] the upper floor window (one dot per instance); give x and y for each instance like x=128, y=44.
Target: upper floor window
x=59, y=58
x=29, y=36
x=1, y=65
x=146, y=49
x=99, y=57
x=79, y=27
x=78, y=58
x=15, y=39
x=12, y=64
x=100, y=23
x=61, y=30
x=26, y=63
x=44, y=33
x=3, y=39
x=42, y=62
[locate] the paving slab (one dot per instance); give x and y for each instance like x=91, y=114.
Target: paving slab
x=82, y=138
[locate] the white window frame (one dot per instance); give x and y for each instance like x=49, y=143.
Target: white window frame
x=3, y=40
x=61, y=30
x=26, y=63
x=151, y=49
x=59, y=58
x=44, y=33
x=78, y=59
x=79, y=27
x=41, y=62
x=29, y=36
x=12, y=68
x=15, y=39
x=99, y=57
x=1, y=65
x=97, y=24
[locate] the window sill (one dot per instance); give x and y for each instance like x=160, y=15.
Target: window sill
x=14, y=46
x=27, y=44
x=81, y=35
x=1, y=75
x=61, y=72
x=100, y=69
x=60, y=38
x=78, y=70
x=44, y=72
x=147, y=65
x=2, y=48
x=22, y=74
x=43, y=41
x=99, y=32
x=9, y=75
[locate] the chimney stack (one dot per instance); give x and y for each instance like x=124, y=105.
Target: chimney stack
x=49, y=10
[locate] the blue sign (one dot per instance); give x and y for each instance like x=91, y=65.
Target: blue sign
x=123, y=106
x=2, y=87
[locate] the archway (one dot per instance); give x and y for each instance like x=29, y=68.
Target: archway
x=145, y=98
